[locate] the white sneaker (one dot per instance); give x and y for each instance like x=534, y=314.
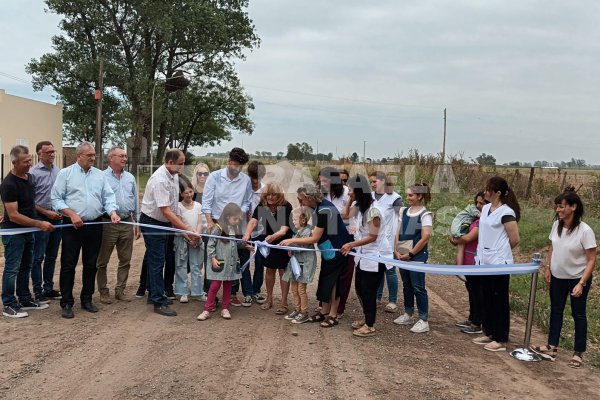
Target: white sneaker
x=404, y=319
x=420, y=327
x=184, y=299
x=391, y=307
x=202, y=297
x=247, y=301
x=225, y=314
x=203, y=316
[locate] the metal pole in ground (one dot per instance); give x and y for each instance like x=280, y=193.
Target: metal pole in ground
x=523, y=353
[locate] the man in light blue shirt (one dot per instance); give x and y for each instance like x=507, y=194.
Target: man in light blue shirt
x=119, y=235
x=81, y=194
x=224, y=186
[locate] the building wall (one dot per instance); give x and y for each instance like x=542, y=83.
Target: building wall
x=27, y=122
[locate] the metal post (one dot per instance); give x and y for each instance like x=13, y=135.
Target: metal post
x=524, y=354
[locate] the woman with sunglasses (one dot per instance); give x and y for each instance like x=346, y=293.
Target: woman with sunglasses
x=201, y=172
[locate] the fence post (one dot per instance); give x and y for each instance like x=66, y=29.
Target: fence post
x=530, y=182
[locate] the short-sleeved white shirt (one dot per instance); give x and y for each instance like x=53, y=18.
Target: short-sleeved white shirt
x=568, y=250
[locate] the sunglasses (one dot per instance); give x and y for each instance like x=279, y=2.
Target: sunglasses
x=202, y=173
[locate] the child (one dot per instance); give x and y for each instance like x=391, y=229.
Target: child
x=224, y=261
x=308, y=264
x=460, y=227
x=185, y=253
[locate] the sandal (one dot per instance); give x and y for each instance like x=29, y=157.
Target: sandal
x=281, y=309
x=576, y=362
x=318, y=317
x=358, y=323
x=329, y=322
x=364, y=331
x=546, y=352
x=266, y=306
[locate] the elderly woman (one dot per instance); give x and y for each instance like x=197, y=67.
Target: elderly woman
x=329, y=233
x=273, y=214
x=572, y=258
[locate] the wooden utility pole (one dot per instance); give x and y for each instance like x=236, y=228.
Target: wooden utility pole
x=444, y=145
x=98, y=97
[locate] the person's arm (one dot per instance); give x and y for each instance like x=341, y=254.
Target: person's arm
x=50, y=214
x=468, y=238
x=208, y=197
x=246, y=205
x=396, y=238
x=12, y=209
x=512, y=230
x=374, y=226
x=109, y=201
x=420, y=245
x=276, y=235
x=547, y=271
x=249, y=228
x=590, y=255
x=312, y=239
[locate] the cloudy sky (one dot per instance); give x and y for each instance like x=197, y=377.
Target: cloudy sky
x=520, y=79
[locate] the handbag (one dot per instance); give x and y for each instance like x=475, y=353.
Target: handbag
x=404, y=246
x=326, y=249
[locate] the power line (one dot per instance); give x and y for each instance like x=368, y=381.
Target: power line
x=14, y=78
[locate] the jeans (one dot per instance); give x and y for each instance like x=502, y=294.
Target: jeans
x=258, y=277
x=18, y=255
x=366, y=283
x=413, y=286
x=244, y=255
x=156, y=242
x=194, y=259
x=391, y=276
x=45, y=250
x=85, y=240
x=169, y=272
x=560, y=289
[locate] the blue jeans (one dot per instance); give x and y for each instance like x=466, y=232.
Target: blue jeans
x=45, y=250
x=391, y=276
x=18, y=255
x=244, y=255
x=413, y=286
x=156, y=242
x=560, y=289
x=195, y=258
x=258, y=277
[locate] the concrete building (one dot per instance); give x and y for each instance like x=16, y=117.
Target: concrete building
x=27, y=122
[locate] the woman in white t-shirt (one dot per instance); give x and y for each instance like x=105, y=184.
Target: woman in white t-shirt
x=498, y=235
x=572, y=258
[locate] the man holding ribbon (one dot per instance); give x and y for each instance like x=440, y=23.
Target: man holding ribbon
x=18, y=197
x=82, y=195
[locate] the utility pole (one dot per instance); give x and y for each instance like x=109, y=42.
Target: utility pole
x=444, y=146
x=364, y=151
x=98, y=97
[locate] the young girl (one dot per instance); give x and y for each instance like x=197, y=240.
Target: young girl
x=186, y=253
x=224, y=261
x=308, y=265
x=410, y=244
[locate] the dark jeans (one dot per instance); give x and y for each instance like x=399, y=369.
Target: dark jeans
x=560, y=289
x=413, y=286
x=366, y=284
x=259, y=275
x=18, y=254
x=475, y=291
x=244, y=255
x=169, y=273
x=154, y=258
x=496, y=308
x=85, y=240
x=346, y=284
x=45, y=251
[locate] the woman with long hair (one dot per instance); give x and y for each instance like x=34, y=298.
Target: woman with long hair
x=571, y=261
x=498, y=235
x=201, y=172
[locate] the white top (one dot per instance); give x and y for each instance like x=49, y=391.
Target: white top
x=426, y=218
x=162, y=190
x=493, y=247
x=190, y=217
x=340, y=202
x=568, y=250
x=256, y=197
x=375, y=248
x=389, y=224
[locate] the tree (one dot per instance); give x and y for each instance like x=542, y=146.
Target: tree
x=354, y=157
x=486, y=159
x=141, y=41
x=293, y=152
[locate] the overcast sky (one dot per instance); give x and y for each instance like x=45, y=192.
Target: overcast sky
x=520, y=79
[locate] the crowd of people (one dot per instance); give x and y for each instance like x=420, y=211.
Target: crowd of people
x=339, y=216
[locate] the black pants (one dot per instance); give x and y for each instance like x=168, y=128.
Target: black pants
x=169, y=272
x=86, y=240
x=366, y=285
x=496, y=311
x=475, y=291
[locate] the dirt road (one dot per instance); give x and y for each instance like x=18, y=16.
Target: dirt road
x=126, y=351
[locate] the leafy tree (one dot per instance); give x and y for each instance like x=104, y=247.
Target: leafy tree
x=279, y=155
x=486, y=159
x=293, y=152
x=354, y=157
x=142, y=42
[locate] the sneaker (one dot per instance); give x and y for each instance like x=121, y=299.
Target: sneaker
x=165, y=310
x=40, y=298
x=495, y=346
x=170, y=295
x=472, y=330
x=203, y=316
x=259, y=299
x=464, y=324
x=225, y=314
x=236, y=302
x=404, y=319
x=14, y=312
x=184, y=299
x=53, y=295
x=202, y=297
x=105, y=298
x=482, y=340
x=33, y=305
x=247, y=301
x=391, y=307
x=140, y=293
x=291, y=315
x=420, y=327
x=300, y=318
